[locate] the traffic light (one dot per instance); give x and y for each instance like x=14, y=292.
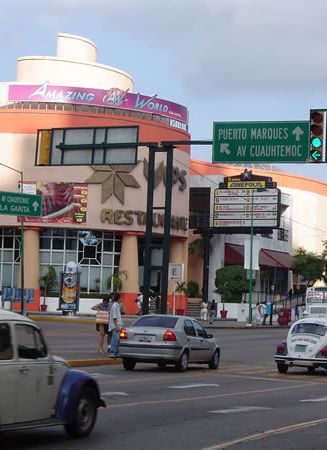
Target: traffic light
x=317, y=136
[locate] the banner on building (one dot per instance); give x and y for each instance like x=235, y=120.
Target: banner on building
x=61, y=202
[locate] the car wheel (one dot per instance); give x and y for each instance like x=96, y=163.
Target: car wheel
x=282, y=367
x=214, y=361
x=162, y=365
x=85, y=414
x=311, y=370
x=128, y=364
x=182, y=363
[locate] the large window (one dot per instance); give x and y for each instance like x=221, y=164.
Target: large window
x=86, y=146
x=9, y=256
x=96, y=252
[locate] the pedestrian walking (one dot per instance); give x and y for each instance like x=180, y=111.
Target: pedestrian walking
x=263, y=313
x=213, y=312
x=115, y=324
x=101, y=319
x=139, y=303
x=296, y=313
x=204, y=310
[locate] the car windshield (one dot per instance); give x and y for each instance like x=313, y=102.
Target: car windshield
x=310, y=328
x=156, y=321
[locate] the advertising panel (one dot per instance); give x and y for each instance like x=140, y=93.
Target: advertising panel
x=113, y=97
x=69, y=288
x=61, y=202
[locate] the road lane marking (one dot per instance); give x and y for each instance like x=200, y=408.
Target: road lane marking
x=238, y=409
x=195, y=385
x=317, y=399
x=268, y=433
x=208, y=397
x=112, y=394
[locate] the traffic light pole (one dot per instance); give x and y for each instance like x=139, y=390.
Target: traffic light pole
x=22, y=280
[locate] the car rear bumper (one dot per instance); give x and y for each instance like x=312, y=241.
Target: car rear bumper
x=150, y=352
x=306, y=362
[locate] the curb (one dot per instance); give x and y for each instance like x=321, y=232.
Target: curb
x=94, y=362
x=61, y=319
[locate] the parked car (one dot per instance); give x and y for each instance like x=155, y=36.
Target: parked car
x=168, y=339
x=37, y=388
x=305, y=346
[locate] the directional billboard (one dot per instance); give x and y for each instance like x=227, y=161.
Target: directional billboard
x=246, y=201
x=241, y=142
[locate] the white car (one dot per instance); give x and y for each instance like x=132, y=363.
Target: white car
x=168, y=339
x=37, y=388
x=305, y=346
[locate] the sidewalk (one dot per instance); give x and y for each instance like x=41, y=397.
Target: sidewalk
x=129, y=319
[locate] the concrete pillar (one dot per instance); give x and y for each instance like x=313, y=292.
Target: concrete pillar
x=32, y=258
x=31, y=267
x=129, y=263
x=177, y=256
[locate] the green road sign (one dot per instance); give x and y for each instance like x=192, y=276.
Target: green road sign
x=20, y=204
x=282, y=142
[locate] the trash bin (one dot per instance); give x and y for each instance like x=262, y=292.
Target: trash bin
x=223, y=313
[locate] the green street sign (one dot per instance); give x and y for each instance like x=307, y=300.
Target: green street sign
x=20, y=204
x=241, y=142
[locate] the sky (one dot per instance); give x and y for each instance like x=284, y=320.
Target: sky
x=225, y=60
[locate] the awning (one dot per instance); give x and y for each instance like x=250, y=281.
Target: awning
x=234, y=254
x=271, y=258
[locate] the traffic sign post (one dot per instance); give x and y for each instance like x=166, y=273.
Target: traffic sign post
x=282, y=142
x=22, y=205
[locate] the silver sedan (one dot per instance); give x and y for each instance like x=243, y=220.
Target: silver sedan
x=168, y=339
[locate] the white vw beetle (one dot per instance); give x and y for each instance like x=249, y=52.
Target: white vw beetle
x=38, y=389
x=305, y=346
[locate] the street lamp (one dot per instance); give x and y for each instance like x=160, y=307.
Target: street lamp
x=22, y=303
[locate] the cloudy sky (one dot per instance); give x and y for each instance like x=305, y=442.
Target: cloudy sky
x=225, y=60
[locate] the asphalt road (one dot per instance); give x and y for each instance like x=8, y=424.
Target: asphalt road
x=245, y=404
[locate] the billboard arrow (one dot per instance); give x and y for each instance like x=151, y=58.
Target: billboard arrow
x=298, y=132
x=224, y=148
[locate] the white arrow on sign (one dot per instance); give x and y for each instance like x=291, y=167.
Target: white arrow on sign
x=35, y=206
x=224, y=148
x=298, y=132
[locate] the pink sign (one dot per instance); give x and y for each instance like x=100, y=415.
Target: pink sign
x=113, y=97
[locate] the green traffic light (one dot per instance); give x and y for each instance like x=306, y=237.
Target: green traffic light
x=316, y=142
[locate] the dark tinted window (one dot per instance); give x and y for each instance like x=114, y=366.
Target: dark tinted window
x=5, y=342
x=30, y=342
x=189, y=328
x=156, y=321
x=310, y=328
x=200, y=330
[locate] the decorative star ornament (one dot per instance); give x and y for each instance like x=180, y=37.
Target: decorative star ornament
x=113, y=179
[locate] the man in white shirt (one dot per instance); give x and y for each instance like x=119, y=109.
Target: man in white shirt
x=115, y=324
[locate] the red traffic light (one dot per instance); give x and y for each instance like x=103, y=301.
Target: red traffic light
x=316, y=117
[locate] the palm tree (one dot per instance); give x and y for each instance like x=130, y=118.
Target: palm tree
x=115, y=281
x=48, y=281
x=181, y=288
x=196, y=247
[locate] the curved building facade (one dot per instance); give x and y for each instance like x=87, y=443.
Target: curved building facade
x=93, y=212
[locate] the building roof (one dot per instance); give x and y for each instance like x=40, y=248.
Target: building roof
x=283, y=179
